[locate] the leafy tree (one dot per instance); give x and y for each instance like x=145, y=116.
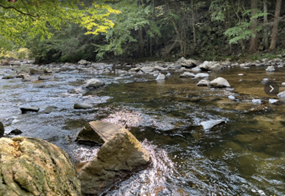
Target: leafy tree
x=28, y=18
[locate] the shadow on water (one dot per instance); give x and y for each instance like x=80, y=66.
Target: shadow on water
x=245, y=156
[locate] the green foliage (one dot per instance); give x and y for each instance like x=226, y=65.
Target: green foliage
x=34, y=18
x=218, y=10
x=122, y=38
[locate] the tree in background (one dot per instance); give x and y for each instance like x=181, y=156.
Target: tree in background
x=275, y=25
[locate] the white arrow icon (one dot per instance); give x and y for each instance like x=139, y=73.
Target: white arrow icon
x=271, y=88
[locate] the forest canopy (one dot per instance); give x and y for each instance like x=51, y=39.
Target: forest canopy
x=25, y=19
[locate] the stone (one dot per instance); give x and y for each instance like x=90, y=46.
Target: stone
x=201, y=75
x=188, y=63
x=265, y=80
x=256, y=101
x=219, y=83
x=231, y=97
x=2, y=130
x=208, y=125
x=118, y=78
x=136, y=69
x=283, y=84
x=15, y=132
x=273, y=101
x=82, y=106
x=26, y=77
x=270, y=69
x=117, y=158
x=45, y=77
x=160, y=77
x=147, y=69
x=97, y=132
x=187, y=75
x=159, y=68
x=203, y=83
x=9, y=77
x=240, y=74
x=281, y=94
x=83, y=62
x=24, y=110
x=49, y=109
x=94, y=83
x=196, y=69
x=31, y=166
x=33, y=71
x=210, y=65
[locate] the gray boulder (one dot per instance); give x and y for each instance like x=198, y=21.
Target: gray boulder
x=201, y=75
x=147, y=69
x=281, y=95
x=94, y=83
x=219, y=83
x=119, y=156
x=203, y=83
x=270, y=69
x=208, y=125
x=211, y=65
x=160, y=77
x=187, y=75
x=31, y=166
x=188, y=63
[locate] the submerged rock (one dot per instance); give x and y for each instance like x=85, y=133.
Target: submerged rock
x=208, y=125
x=219, y=83
x=49, y=109
x=256, y=101
x=97, y=132
x=9, y=77
x=31, y=166
x=2, y=130
x=119, y=156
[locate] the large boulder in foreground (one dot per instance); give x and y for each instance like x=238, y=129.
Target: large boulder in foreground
x=31, y=166
x=97, y=132
x=119, y=156
x=219, y=83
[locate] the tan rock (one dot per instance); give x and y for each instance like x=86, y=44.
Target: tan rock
x=97, y=132
x=31, y=166
x=119, y=156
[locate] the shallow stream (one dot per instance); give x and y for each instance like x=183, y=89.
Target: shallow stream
x=244, y=156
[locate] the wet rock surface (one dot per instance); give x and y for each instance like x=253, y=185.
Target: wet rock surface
x=120, y=155
x=31, y=166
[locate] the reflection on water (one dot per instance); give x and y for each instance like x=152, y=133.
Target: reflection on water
x=245, y=156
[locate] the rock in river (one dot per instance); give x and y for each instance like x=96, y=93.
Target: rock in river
x=94, y=83
x=160, y=77
x=2, y=130
x=219, y=83
x=31, y=166
x=208, y=125
x=119, y=156
x=187, y=75
x=45, y=77
x=97, y=132
x=203, y=83
x=281, y=95
x=270, y=69
x=24, y=110
x=82, y=106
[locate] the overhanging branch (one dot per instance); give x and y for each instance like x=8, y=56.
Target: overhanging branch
x=12, y=7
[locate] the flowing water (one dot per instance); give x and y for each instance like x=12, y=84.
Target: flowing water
x=244, y=156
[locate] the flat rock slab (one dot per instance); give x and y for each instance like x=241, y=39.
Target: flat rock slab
x=24, y=110
x=97, y=132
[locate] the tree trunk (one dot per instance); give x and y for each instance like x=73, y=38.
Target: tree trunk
x=194, y=29
x=254, y=38
x=141, y=42
x=275, y=25
x=265, y=31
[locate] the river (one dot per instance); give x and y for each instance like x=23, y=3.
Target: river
x=244, y=156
